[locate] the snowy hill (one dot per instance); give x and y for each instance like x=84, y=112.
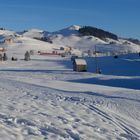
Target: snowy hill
x=69, y=37
x=23, y=44
x=19, y=43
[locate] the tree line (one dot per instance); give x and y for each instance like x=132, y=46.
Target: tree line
x=136, y=41
x=92, y=31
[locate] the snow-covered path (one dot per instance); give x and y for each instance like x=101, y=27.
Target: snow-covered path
x=44, y=104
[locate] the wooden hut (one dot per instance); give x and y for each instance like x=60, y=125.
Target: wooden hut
x=79, y=65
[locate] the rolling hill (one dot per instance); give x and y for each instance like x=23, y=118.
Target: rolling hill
x=69, y=37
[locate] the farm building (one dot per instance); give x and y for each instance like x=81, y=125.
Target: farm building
x=79, y=65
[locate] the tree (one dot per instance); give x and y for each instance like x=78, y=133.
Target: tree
x=0, y=57
x=5, y=58
x=27, y=56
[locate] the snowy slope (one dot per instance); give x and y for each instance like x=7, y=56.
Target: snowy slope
x=82, y=43
x=26, y=41
x=23, y=44
x=44, y=99
x=71, y=37
x=72, y=30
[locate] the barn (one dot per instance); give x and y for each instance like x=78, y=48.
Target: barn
x=79, y=65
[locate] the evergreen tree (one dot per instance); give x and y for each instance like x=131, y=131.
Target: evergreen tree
x=5, y=58
x=1, y=57
x=27, y=56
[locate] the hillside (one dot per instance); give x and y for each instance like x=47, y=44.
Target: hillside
x=70, y=37
x=92, y=31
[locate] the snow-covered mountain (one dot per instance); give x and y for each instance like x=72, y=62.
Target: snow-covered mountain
x=72, y=38
x=72, y=30
x=69, y=37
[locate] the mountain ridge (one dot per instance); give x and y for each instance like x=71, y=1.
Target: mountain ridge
x=71, y=37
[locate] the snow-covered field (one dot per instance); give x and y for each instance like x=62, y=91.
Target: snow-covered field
x=44, y=99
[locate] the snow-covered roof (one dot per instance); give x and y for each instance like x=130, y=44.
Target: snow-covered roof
x=80, y=62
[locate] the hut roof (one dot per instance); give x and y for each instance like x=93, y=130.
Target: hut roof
x=80, y=62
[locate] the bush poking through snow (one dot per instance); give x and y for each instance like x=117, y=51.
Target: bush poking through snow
x=116, y=56
x=14, y=59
